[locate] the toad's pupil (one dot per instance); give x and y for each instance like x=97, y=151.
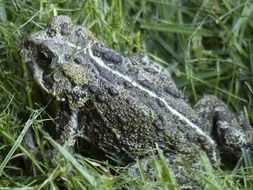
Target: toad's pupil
x=43, y=58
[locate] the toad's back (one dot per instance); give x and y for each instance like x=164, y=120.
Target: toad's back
x=138, y=105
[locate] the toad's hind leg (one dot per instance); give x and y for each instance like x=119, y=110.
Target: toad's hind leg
x=231, y=131
x=180, y=168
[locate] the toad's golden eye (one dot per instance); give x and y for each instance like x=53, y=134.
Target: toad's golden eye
x=43, y=58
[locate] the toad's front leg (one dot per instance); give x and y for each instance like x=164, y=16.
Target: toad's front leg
x=230, y=131
x=67, y=125
x=66, y=130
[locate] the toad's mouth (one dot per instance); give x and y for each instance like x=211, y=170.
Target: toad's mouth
x=41, y=78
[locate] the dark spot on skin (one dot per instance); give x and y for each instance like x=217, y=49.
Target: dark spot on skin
x=144, y=62
x=113, y=91
x=207, y=146
x=106, y=75
x=100, y=98
x=181, y=127
x=30, y=66
x=160, y=122
x=93, y=89
x=106, y=85
x=102, y=72
x=146, y=84
x=112, y=57
x=128, y=84
x=172, y=92
x=106, y=54
x=167, y=89
x=120, y=82
x=79, y=32
x=158, y=125
x=64, y=27
x=161, y=117
x=75, y=97
x=191, y=136
x=133, y=71
x=160, y=103
x=153, y=105
x=201, y=139
x=150, y=70
x=66, y=57
x=134, y=62
x=97, y=50
x=129, y=100
x=97, y=54
x=51, y=33
x=78, y=60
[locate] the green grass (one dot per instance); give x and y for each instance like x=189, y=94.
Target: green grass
x=206, y=45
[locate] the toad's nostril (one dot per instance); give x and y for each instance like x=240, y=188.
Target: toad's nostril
x=26, y=44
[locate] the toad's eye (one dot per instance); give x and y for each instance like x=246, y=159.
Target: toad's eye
x=44, y=58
